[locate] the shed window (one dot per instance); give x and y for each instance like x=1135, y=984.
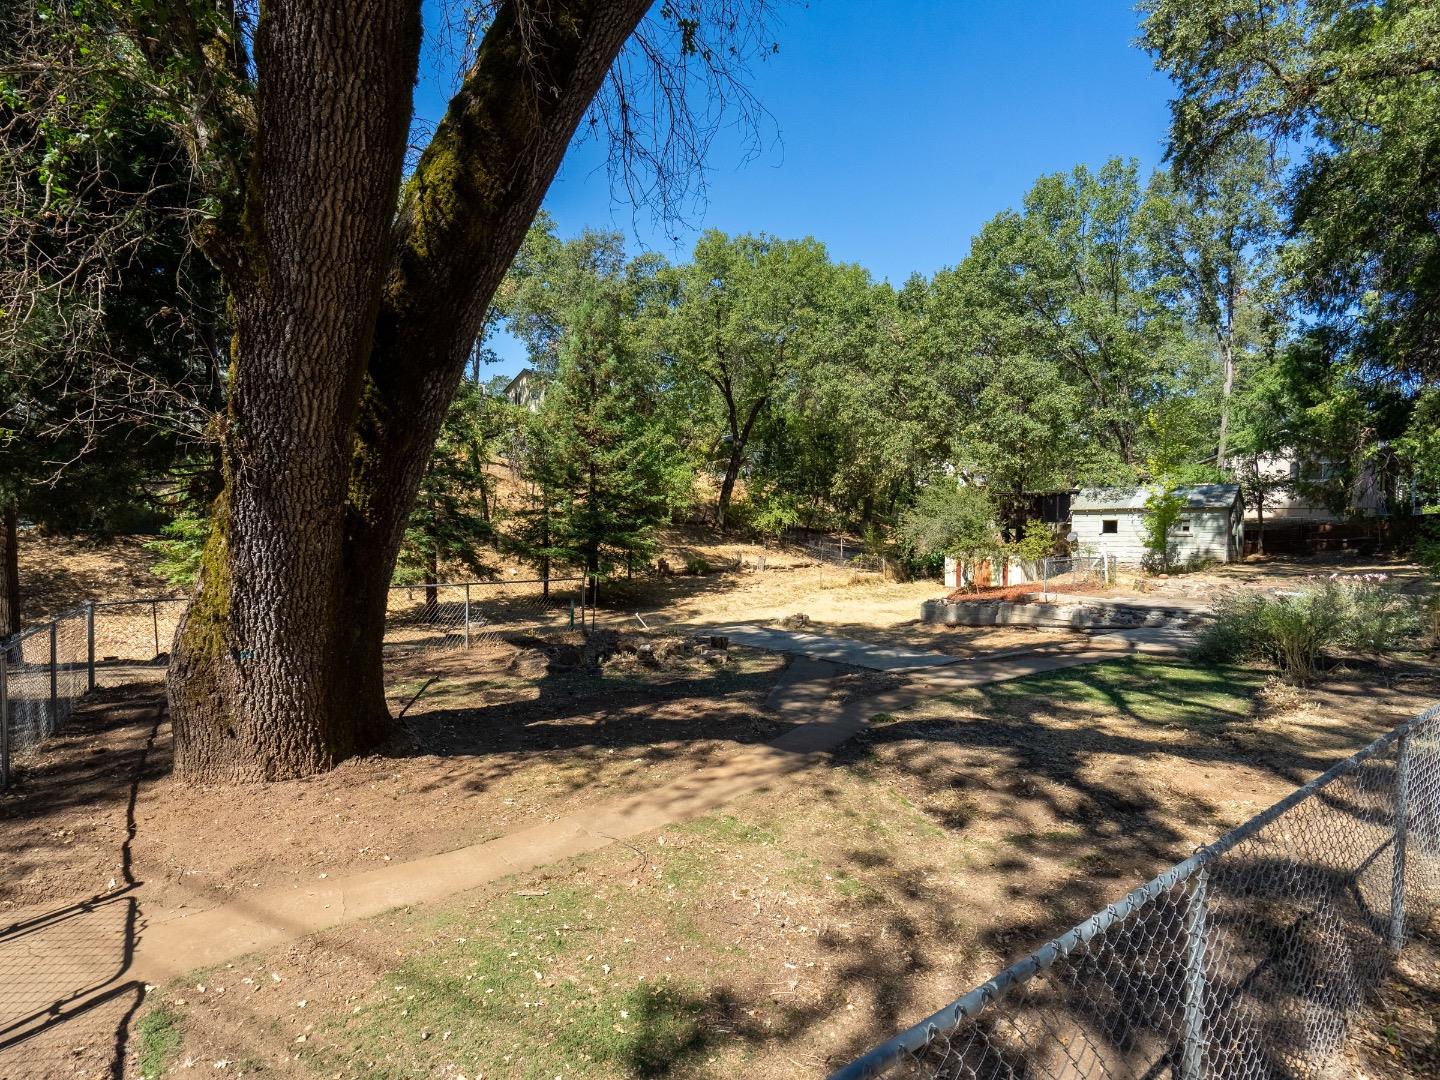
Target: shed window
x=1110, y=525
x=1184, y=525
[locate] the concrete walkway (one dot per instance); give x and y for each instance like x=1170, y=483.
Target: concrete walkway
x=99, y=953
x=837, y=650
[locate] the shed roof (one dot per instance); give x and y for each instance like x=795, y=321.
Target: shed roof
x=1198, y=497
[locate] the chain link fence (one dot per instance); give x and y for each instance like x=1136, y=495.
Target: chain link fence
x=46, y=668
x=460, y=615
x=1248, y=960
x=1087, y=571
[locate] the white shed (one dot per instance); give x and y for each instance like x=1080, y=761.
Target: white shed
x=1111, y=522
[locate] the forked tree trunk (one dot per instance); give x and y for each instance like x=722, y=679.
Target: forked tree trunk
x=456, y=236
x=259, y=687
x=739, y=439
x=353, y=327
x=9, y=570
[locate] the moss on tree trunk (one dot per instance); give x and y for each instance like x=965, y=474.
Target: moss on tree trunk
x=353, y=327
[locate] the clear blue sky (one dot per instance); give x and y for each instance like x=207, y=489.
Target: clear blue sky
x=903, y=127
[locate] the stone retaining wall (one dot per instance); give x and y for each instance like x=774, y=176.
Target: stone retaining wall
x=1079, y=614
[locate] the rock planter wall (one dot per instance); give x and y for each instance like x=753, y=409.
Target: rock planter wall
x=1076, y=614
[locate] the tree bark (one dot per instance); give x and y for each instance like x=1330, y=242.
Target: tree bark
x=10, y=621
x=739, y=439
x=259, y=688
x=354, y=325
x=1227, y=351
x=474, y=194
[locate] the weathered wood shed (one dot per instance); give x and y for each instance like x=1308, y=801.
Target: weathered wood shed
x=1111, y=522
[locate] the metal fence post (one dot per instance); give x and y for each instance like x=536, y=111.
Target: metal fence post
x=54, y=676
x=89, y=646
x=4, y=718
x=155, y=623
x=1192, y=1057
x=467, y=614
x=1402, y=830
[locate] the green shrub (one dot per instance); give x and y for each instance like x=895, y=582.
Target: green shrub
x=1427, y=548
x=1036, y=543
x=950, y=519
x=1292, y=631
x=181, y=548
x=1381, y=620
x=697, y=566
x=1232, y=632
x=1163, y=510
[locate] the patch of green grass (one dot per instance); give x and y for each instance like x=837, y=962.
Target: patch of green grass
x=158, y=1037
x=1062, y=834
x=645, y=1031
x=685, y=869
x=853, y=889
x=1151, y=690
x=688, y=867
x=531, y=991
x=725, y=829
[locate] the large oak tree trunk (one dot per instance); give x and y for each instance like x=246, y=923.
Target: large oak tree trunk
x=352, y=334
x=457, y=232
x=258, y=687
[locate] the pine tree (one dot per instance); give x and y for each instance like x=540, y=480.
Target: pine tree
x=604, y=471
x=452, y=520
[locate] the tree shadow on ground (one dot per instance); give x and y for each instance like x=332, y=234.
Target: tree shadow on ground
x=67, y=971
x=583, y=721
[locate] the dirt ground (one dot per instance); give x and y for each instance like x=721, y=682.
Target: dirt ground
x=1266, y=572
x=785, y=935
x=57, y=572
x=776, y=939
x=488, y=748
x=849, y=603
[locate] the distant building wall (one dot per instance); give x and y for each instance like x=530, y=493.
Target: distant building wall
x=1367, y=497
x=1118, y=532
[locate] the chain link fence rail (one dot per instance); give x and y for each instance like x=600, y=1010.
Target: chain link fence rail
x=132, y=638
x=1247, y=961
x=464, y=614
x=45, y=669
x=1089, y=571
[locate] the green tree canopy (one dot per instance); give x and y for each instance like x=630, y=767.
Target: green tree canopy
x=1351, y=89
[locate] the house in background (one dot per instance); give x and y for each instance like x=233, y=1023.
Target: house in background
x=527, y=389
x=1111, y=522
x=1294, y=490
